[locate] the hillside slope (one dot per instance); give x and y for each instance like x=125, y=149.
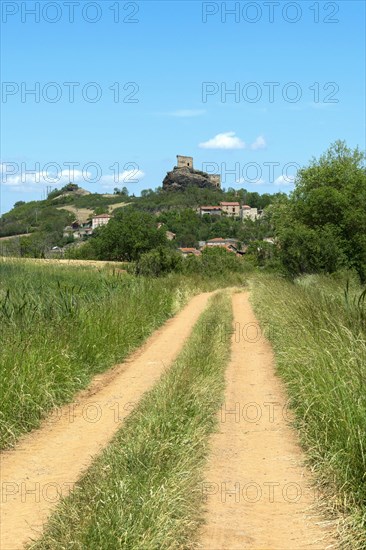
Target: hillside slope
x=59, y=210
x=37, y=227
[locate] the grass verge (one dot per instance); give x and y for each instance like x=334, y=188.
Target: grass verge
x=318, y=328
x=62, y=325
x=143, y=491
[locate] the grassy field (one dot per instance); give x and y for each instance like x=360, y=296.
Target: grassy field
x=143, y=491
x=62, y=325
x=318, y=327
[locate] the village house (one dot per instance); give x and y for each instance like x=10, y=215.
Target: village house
x=102, y=219
x=68, y=231
x=78, y=230
x=247, y=212
x=83, y=232
x=230, y=244
x=210, y=210
x=189, y=252
x=231, y=209
x=220, y=241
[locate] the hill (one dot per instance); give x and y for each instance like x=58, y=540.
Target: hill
x=47, y=222
x=61, y=208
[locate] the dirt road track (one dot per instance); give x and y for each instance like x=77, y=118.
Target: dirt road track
x=256, y=488
x=47, y=462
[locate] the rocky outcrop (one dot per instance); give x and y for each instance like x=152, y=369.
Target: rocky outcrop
x=181, y=178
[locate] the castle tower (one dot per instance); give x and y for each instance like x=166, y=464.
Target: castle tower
x=215, y=179
x=184, y=162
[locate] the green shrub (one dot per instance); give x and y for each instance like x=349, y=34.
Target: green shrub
x=159, y=262
x=215, y=261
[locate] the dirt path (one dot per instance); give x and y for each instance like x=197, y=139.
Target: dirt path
x=64, y=262
x=256, y=489
x=47, y=462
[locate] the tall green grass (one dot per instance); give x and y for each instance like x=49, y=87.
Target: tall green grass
x=62, y=325
x=318, y=328
x=143, y=491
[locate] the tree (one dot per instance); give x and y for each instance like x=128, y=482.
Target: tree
x=147, y=193
x=128, y=235
x=123, y=191
x=307, y=250
x=100, y=210
x=214, y=261
x=262, y=252
x=159, y=262
x=322, y=227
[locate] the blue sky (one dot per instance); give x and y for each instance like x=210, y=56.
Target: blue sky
x=173, y=64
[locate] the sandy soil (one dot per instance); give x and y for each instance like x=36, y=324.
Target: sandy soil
x=57, y=261
x=113, y=207
x=257, y=490
x=47, y=463
x=11, y=237
x=81, y=214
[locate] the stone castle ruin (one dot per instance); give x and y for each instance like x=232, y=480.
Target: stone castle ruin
x=215, y=179
x=183, y=162
x=183, y=175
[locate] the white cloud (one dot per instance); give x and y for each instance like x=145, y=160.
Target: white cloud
x=186, y=113
x=285, y=180
x=226, y=140
x=259, y=143
x=26, y=181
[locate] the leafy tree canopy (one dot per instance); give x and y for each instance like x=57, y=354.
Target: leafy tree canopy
x=128, y=235
x=322, y=227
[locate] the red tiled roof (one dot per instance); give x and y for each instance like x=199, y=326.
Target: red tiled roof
x=216, y=239
x=246, y=206
x=228, y=247
x=210, y=207
x=229, y=203
x=102, y=216
x=188, y=249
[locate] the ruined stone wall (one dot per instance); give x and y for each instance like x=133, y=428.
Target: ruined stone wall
x=215, y=179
